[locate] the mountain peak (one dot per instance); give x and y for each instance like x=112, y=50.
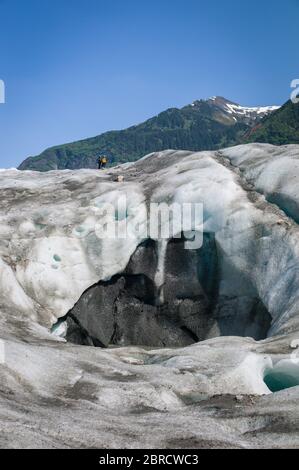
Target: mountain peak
x=231, y=106
x=220, y=100
x=235, y=112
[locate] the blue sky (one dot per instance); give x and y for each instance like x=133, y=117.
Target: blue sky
x=76, y=68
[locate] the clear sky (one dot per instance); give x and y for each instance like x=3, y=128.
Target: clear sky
x=76, y=68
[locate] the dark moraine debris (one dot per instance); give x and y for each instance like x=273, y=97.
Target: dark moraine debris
x=127, y=309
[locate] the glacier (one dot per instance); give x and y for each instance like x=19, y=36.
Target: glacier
x=186, y=337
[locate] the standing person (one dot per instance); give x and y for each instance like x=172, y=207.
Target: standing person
x=102, y=162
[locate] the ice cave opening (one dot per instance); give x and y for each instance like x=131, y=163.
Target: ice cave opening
x=193, y=297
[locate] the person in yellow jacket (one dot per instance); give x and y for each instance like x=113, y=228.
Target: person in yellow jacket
x=102, y=162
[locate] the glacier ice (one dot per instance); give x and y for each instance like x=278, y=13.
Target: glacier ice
x=246, y=284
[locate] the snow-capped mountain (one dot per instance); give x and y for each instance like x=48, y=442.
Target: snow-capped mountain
x=235, y=112
x=203, y=125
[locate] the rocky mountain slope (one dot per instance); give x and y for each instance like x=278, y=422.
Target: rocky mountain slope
x=279, y=128
x=184, y=361
x=203, y=125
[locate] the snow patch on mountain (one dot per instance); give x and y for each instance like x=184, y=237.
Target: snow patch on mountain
x=235, y=112
x=248, y=111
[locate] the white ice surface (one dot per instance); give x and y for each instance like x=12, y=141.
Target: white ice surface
x=50, y=254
